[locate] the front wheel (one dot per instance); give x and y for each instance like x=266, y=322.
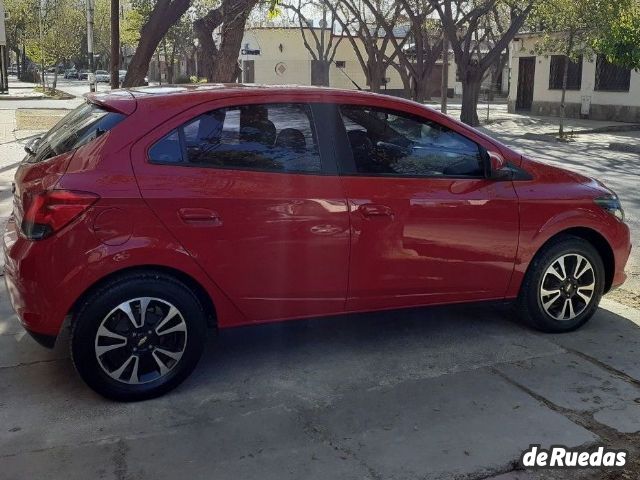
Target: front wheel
x=138, y=336
x=563, y=285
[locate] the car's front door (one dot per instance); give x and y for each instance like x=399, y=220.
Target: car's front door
x=256, y=200
x=427, y=226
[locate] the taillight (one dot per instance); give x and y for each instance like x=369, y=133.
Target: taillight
x=49, y=211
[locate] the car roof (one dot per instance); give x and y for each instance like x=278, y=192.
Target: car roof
x=193, y=94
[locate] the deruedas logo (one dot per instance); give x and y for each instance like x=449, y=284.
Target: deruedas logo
x=563, y=457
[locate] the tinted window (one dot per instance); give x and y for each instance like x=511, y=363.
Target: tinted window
x=167, y=150
x=386, y=142
x=274, y=137
x=77, y=128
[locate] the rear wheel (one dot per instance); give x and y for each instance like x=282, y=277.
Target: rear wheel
x=138, y=336
x=563, y=285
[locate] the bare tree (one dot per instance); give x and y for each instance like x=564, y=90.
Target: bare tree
x=325, y=43
x=468, y=26
x=164, y=15
x=370, y=34
x=414, y=60
x=219, y=63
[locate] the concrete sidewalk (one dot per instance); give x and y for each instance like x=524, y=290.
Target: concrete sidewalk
x=442, y=393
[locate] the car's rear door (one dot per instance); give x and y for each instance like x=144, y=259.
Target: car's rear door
x=253, y=195
x=428, y=227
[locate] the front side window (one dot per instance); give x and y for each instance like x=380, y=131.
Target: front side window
x=386, y=142
x=271, y=137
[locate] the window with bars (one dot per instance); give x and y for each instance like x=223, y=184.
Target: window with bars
x=556, y=73
x=610, y=77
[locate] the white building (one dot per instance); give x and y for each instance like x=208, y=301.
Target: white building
x=596, y=89
x=277, y=55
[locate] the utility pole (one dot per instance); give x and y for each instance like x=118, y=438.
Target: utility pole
x=91, y=77
x=115, y=43
x=445, y=73
x=42, y=67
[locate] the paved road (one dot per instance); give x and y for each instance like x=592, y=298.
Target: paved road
x=436, y=393
x=430, y=393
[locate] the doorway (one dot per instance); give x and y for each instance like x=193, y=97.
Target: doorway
x=526, y=75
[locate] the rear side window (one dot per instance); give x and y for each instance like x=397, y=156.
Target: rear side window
x=387, y=142
x=272, y=137
x=78, y=128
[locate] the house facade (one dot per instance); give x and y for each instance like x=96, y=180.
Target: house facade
x=596, y=89
x=277, y=55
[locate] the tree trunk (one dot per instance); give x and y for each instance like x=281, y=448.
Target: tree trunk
x=471, y=82
x=565, y=77
x=375, y=75
x=172, y=64
x=220, y=64
x=207, y=49
x=420, y=90
x=115, y=43
x=165, y=14
x=55, y=79
x=225, y=68
x=406, y=80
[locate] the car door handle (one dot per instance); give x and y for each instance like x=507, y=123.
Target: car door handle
x=371, y=210
x=200, y=216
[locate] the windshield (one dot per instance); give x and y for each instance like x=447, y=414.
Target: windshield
x=79, y=127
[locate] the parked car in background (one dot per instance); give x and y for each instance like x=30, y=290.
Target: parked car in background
x=121, y=75
x=220, y=206
x=102, y=76
x=12, y=70
x=71, y=73
x=83, y=75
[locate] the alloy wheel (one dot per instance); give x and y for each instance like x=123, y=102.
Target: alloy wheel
x=567, y=286
x=141, y=340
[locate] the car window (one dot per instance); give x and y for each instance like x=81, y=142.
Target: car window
x=272, y=137
x=167, y=150
x=386, y=142
x=77, y=128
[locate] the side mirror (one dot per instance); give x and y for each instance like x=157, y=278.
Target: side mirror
x=497, y=167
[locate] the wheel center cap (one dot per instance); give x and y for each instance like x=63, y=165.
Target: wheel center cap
x=142, y=341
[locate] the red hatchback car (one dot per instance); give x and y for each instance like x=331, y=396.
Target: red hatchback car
x=146, y=216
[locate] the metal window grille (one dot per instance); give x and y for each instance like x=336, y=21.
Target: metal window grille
x=556, y=73
x=611, y=77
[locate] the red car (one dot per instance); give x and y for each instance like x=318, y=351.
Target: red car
x=146, y=216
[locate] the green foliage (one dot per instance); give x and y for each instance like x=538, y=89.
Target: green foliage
x=22, y=15
x=54, y=34
x=570, y=26
x=620, y=42
x=130, y=27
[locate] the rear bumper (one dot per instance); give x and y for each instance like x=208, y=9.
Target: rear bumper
x=31, y=285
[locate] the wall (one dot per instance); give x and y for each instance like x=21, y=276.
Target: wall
x=294, y=61
x=622, y=106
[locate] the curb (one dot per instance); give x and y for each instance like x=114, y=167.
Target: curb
x=630, y=313
x=22, y=97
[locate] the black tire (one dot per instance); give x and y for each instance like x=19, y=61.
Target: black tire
x=102, y=302
x=530, y=305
